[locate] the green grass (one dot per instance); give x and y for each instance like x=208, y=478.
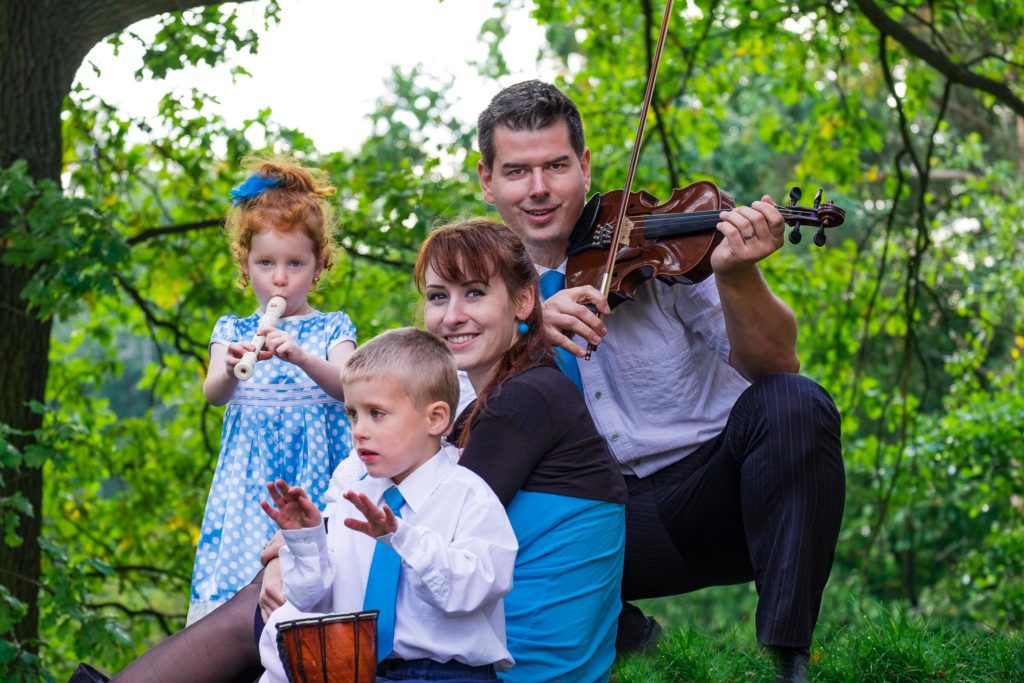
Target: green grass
x=884, y=645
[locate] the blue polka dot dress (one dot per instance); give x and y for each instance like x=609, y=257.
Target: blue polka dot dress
x=278, y=425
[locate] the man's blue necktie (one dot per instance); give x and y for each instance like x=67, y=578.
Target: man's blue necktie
x=551, y=282
x=382, y=585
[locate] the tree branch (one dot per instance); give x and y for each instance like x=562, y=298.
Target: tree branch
x=150, y=233
x=939, y=61
x=161, y=617
x=151, y=317
x=98, y=19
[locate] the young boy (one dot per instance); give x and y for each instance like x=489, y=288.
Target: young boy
x=456, y=546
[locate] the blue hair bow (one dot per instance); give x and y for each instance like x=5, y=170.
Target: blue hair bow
x=254, y=186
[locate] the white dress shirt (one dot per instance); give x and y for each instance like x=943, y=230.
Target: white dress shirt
x=458, y=551
x=660, y=384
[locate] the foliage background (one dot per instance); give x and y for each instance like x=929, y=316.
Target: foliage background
x=911, y=316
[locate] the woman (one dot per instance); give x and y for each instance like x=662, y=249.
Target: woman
x=528, y=435
x=532, y=439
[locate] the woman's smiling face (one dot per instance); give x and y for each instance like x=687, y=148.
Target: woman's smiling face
x=477, y=319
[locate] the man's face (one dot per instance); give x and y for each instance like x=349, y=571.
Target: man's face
x=539, y=186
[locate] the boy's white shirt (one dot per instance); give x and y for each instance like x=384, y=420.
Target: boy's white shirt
x=458, y=552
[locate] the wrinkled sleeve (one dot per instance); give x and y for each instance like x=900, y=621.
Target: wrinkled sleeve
x=225, y=331
x=469, y=572
x=699, y=309
x=307, y=567
x=340, y=328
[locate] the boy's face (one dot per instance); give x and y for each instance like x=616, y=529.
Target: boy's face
x=392, y=435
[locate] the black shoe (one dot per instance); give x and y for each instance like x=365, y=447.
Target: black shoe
x=646, y=642
x=86, y=674
x=792, y=663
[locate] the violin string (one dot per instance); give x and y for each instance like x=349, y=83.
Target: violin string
x=787, y=212
x=697, y=221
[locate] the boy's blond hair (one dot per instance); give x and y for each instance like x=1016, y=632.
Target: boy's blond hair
x=418, y=360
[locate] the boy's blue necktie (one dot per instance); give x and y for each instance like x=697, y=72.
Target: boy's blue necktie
x=382, y=584
x=551, y=282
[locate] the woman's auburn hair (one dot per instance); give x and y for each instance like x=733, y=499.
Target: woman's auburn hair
x=478, y=249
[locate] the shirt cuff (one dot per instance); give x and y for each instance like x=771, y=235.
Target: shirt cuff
x=307, y=542
x=395, y=539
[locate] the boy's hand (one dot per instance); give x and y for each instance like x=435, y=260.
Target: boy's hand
x=294, y=508
x=379, y=521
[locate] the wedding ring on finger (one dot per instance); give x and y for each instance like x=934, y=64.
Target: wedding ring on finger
x=747, y=238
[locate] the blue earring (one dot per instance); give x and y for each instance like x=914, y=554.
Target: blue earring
x=523, y=328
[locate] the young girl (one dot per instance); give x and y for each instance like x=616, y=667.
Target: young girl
x=288, y=421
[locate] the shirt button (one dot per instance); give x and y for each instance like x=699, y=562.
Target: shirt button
x=615, y=437
x=597, y=394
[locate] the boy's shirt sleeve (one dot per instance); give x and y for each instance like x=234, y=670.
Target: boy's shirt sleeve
x=307, y=567
x=463, y=574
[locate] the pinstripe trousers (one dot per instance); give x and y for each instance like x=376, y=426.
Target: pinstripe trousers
x=763, y=501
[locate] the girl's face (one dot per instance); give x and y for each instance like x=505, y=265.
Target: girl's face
x=282, y=264
x=478, y=320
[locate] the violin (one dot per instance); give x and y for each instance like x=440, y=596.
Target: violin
x=671, y=241
x=623, y=239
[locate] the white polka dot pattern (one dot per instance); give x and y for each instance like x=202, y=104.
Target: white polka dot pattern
x=278, y=425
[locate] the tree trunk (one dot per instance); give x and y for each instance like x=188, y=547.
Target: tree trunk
x=32, y=86
x=42, y=44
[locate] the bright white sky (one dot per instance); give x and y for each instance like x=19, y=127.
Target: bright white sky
x=323, y=66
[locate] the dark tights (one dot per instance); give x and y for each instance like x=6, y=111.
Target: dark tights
x=219, y=648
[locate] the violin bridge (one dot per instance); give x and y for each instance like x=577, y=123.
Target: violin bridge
x=603, y=235
x=627, y=229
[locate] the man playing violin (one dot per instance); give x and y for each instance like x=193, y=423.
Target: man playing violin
x=732, y=460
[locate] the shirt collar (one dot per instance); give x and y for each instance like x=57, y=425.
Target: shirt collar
x=418, y=486
x=561, y=268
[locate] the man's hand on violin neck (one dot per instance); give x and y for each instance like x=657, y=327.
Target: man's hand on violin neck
x=566, y=314
x=751, y=234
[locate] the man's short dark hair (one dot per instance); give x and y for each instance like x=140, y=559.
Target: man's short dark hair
x=530, y=105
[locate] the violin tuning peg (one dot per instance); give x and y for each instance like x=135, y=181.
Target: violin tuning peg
x=794, y=195
x=817, y=199
x=819, y=237
x=794, y=235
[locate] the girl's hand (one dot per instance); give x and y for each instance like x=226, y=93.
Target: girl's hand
x=379, y=521
x=283, y=345
x=236, y=350
x=294, y=508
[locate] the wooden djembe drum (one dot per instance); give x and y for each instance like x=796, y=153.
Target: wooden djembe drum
x=336, y=648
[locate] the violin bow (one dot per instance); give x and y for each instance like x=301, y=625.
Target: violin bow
x=606, y=277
